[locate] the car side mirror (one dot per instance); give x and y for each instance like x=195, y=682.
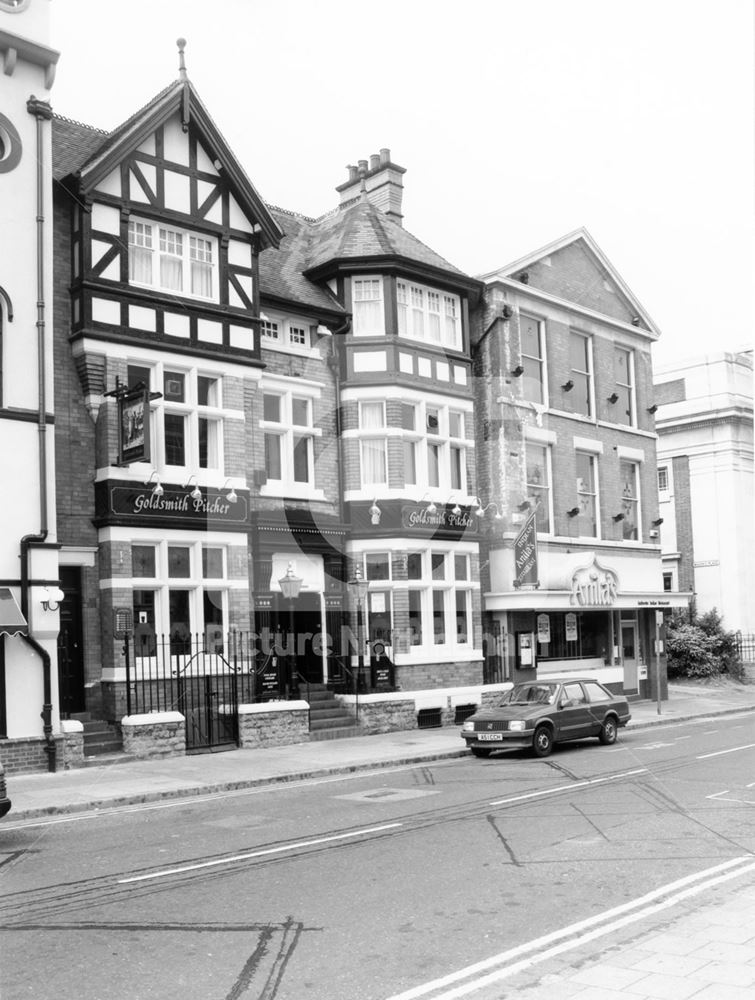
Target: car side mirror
x=565, y=703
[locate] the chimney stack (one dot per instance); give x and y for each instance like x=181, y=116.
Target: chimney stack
x=383, y=184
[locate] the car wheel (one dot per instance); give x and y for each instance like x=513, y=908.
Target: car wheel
x=609, y=732
x=481, y=751
x=542, y=743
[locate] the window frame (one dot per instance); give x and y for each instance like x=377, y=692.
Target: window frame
x=157, y=256
x=594, y=493
x=537, y=361
x=361, y=308
x=625, y=389
x=578, y=375
x=290, y=436
x=415, y=319
x=373, y=437
x=535, y=491
x=631, y=503
x=292, y=335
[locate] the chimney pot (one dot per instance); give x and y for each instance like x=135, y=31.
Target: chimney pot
x=385, y=156
x=374, y=161
x=353, y=173
x=362, y=166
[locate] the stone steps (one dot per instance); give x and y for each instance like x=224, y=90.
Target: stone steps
x=328, y=719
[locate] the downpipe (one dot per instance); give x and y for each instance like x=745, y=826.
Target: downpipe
x=42, y=112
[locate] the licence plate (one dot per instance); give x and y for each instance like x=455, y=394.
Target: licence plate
x=488, y=736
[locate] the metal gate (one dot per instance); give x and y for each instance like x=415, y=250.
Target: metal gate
x=201, y=677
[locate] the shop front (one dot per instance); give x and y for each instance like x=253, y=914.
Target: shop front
x=588, y=612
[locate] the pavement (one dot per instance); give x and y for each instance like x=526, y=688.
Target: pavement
x=704, y=947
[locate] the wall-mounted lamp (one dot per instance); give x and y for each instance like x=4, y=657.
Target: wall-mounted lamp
x=231, y=496
x=52, y=598
x=516, y=372
x=613, y=398
x=482, y=510
x=658, y=522
x=635, y=320
x=456, y=510
x=196, y=493
x=618, y=517
x=157, y=489
x=524, y=505
x=573, y=512
x=375, y=513
x=653, y=408
x=432, y=507
x=568, y=386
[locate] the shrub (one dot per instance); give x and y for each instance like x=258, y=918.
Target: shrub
x=699, y=646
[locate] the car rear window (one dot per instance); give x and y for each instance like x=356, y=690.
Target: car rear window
x=596, y=692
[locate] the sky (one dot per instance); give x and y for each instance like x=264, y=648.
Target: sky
x=518, y=121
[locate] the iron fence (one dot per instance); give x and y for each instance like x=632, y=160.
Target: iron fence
x=745, y=646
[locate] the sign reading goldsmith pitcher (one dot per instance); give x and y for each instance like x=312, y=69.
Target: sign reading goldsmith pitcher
x=130, y=503
x=525, y=554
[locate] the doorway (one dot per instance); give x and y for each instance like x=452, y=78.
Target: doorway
x=71, y=644
x=629, y=656
x=310, y=642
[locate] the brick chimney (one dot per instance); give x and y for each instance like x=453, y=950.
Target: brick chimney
x=381, y=181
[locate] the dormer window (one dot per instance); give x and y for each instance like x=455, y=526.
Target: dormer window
x=172, y=260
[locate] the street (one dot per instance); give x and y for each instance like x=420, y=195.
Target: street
x=387, y=884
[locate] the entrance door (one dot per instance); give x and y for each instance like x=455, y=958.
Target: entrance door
x=629, y=656
x=71, y=644
x=309, y=640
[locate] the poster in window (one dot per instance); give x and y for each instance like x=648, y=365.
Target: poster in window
x=134, y=426
x=377, y=603
x=543, y=629
x=571, y=627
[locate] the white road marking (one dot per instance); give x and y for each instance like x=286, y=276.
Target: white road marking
x=653, y=746
x=567, y=788
x=719, y=796
x=680, y=738
x=718, y=753
x=578, y=934
x=199, y=866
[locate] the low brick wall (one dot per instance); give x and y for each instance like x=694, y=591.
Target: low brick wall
x=24, y=755
x=273, y=724
x=386, y=713
x=159, y=734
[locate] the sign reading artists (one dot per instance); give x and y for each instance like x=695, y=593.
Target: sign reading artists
x=525, y=555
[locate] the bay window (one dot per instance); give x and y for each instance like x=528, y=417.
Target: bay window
x=428, y=314
x=367, y=307
x=170, y=259
x=440, y=598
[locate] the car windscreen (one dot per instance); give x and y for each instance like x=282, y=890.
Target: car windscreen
x=531, y=694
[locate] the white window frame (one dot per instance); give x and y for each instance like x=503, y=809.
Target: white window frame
x=368, y=305
x=590, y=415
x=151, y=255
x=289, y=433
x=427, y=314
x=373, y=437
x=447, y=586
x=446, y=444
x=595, y=493
x=287, y=334
x=540, y=491
x=196, y=583
x=192, y=413
x=630, y=385
x=664, y=493
x=539, y=360
x=635, y=500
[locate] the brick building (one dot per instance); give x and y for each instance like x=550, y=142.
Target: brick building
x=566, y=461
x=248, y=395
x=705, y=482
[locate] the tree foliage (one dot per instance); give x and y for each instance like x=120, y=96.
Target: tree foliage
x=700, y=646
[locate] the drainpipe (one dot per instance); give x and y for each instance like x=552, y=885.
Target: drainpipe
x=42, y=112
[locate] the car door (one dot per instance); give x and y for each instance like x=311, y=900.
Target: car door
x=574, y=718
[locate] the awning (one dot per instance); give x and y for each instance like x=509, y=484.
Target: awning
x=12, y=622
x=562, y=600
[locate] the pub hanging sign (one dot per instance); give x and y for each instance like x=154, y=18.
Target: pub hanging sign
x=525, y=555
x=133, y=424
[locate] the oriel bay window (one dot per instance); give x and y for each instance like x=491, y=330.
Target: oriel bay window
x=373, y=443
x=437, y=458
x=368, y=311
x=172, y=260
x=428, y=314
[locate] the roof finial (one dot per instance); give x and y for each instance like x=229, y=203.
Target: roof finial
x=181, y=43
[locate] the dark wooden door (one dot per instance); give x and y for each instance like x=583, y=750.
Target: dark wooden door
x=71, y=644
